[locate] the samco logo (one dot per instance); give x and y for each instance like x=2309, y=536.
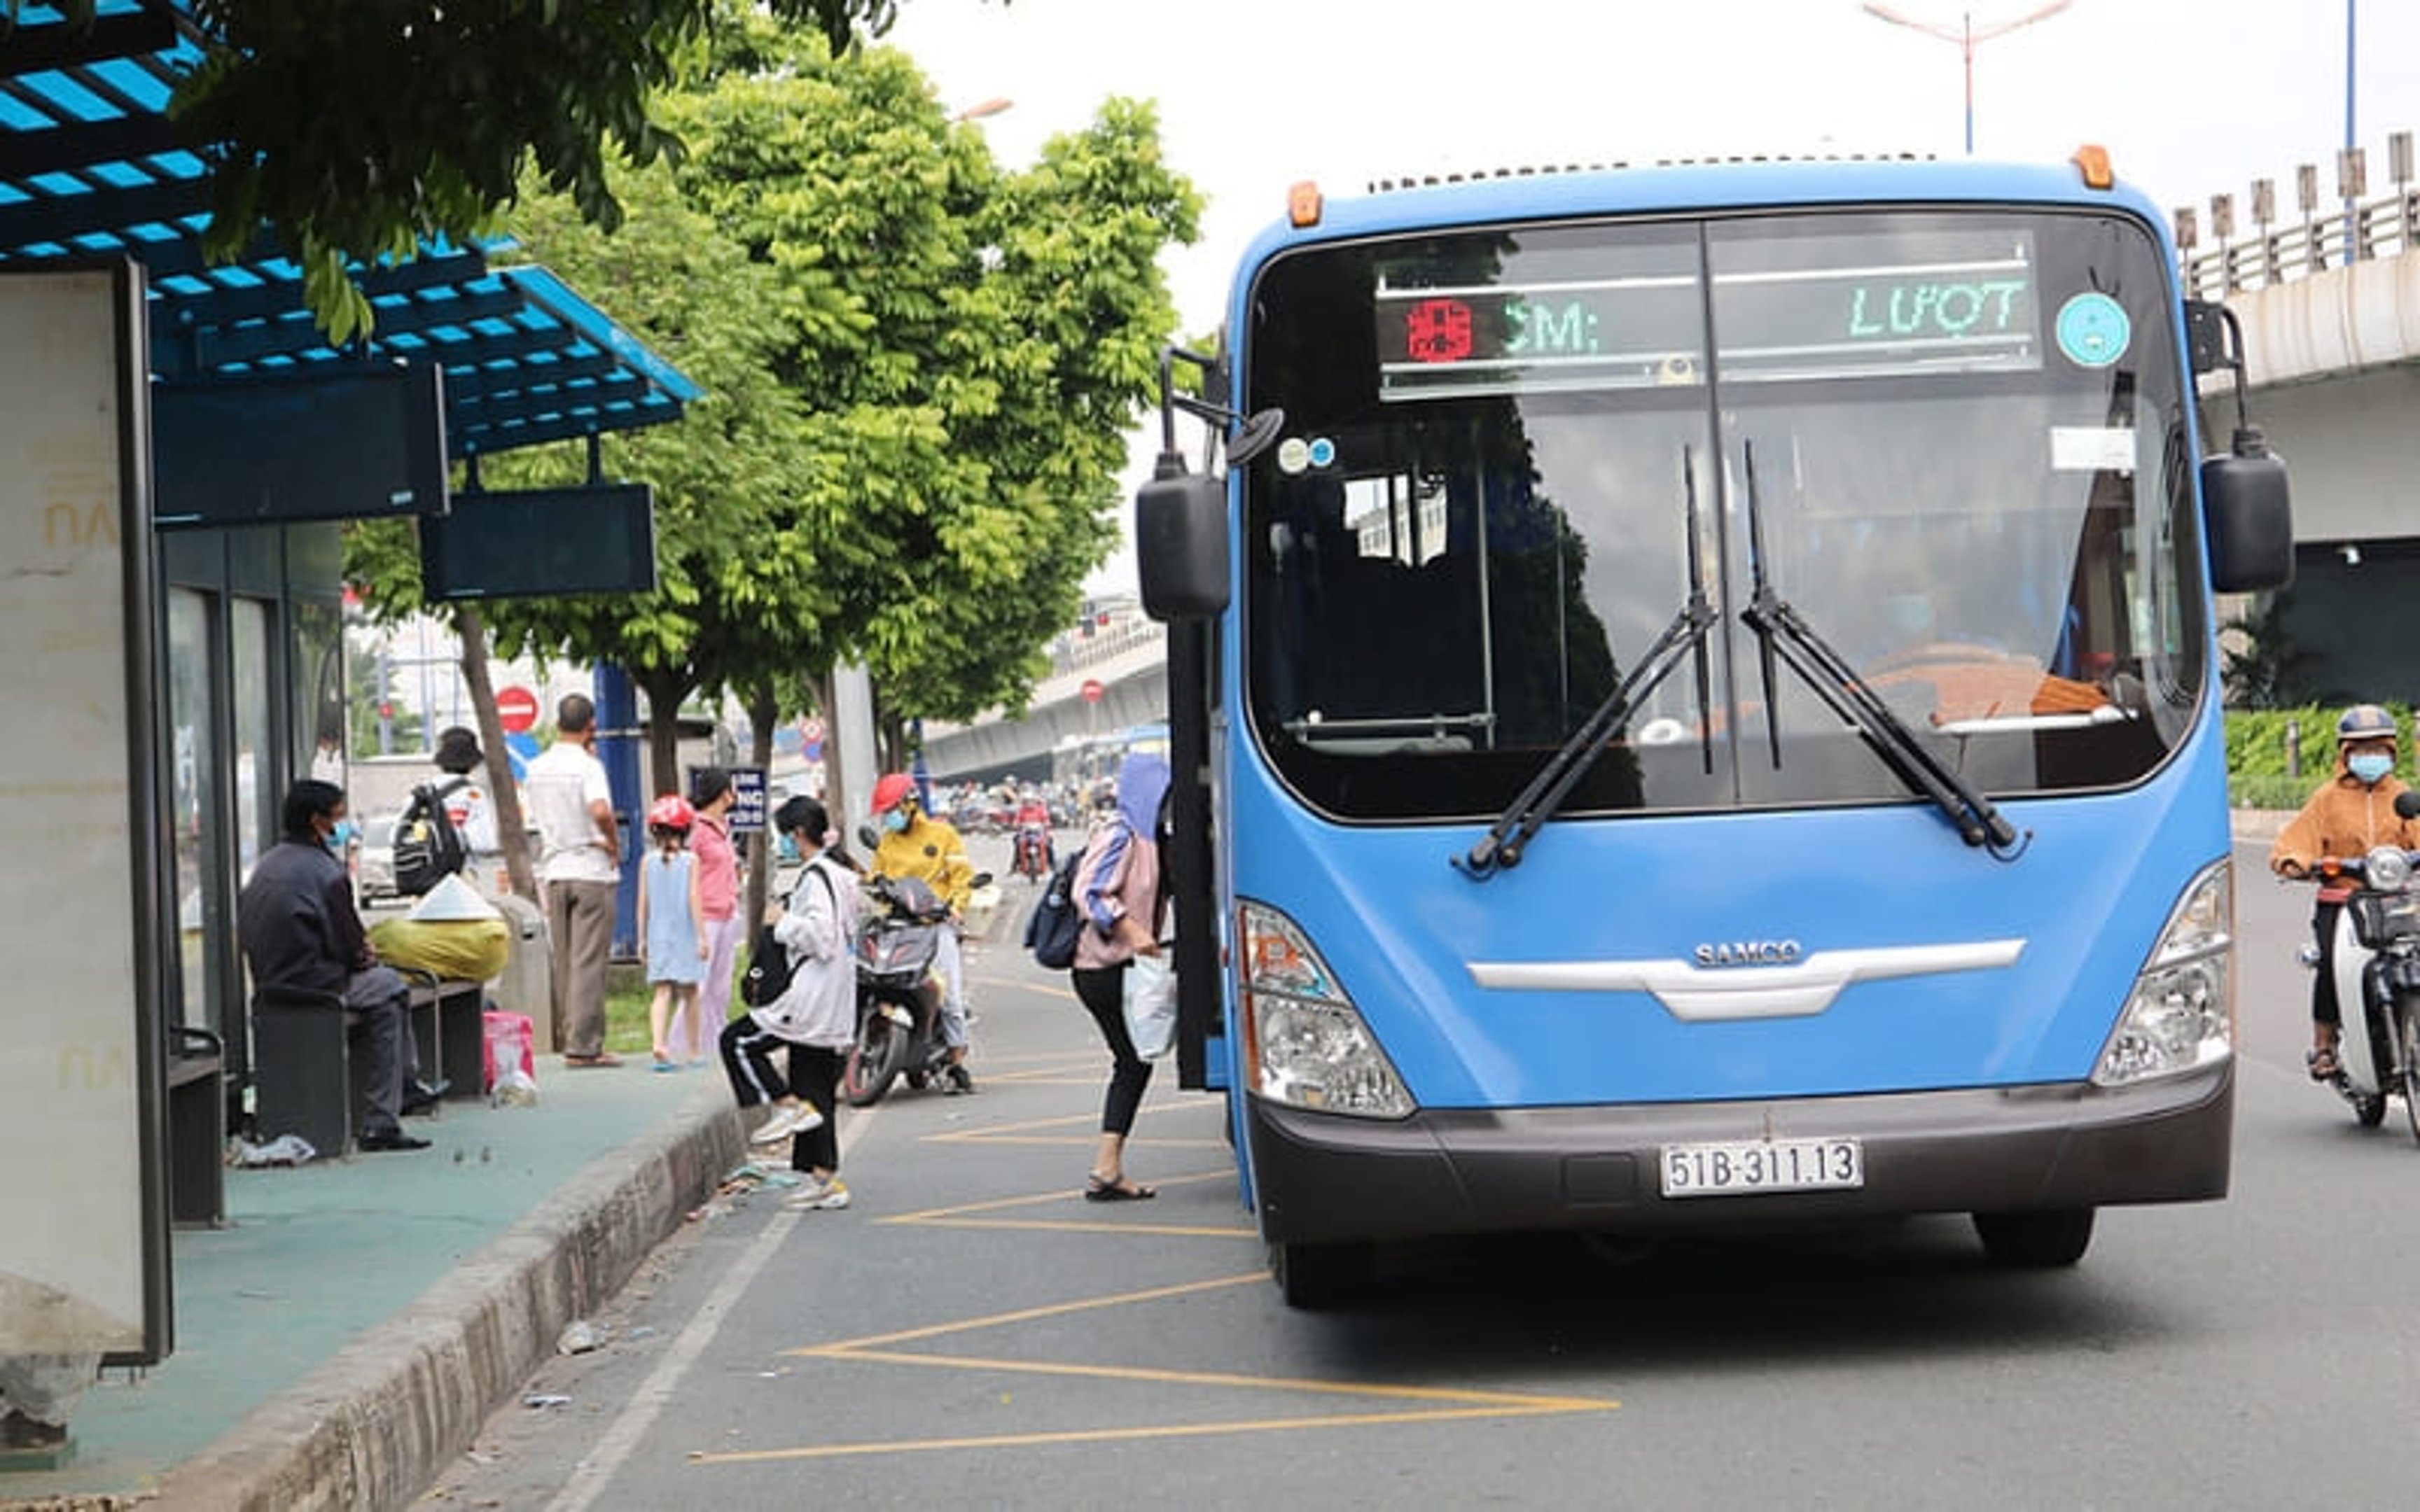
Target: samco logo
x=1749, y=954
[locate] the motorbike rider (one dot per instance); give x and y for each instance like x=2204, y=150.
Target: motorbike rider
x=2351, y=812
x=916, y=845
x=1033, y=828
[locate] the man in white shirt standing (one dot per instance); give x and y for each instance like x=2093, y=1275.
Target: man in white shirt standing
x=580, y=866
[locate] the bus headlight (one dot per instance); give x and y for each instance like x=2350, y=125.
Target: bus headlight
x=1304, y=1041
x=2181, y=1012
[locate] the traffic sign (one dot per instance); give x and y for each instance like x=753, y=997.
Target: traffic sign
x=1093, y=690
x=516, y=709
x=811, y=730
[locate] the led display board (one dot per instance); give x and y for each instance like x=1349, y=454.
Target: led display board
x=337, y=440
x=539, y=542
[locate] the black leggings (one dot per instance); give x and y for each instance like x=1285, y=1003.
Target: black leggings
x=2324, y=1007
x=1101, y=990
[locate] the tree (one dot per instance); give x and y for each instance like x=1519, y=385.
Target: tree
x=350, y=130
x=917, y=371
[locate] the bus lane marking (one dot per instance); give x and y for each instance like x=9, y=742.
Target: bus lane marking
x=960, y=1215
x=1020, y=1134
x=1439, y=1404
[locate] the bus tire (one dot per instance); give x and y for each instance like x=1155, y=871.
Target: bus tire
x=1315, y=1276
x=2035, y=1240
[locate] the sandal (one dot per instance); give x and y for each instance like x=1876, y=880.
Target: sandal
x=1121, y=1190
x=2324, y=1065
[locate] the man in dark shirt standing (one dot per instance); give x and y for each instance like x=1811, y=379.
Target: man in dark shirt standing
x=299, y=929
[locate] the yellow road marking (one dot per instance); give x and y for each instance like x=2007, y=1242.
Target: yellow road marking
x=1517, y=1400
x=1055, y=1309
x=1173, y=1431
x=1030, y=1200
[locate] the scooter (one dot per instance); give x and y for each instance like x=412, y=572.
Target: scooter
x=898, y=994
x=2376, y=962
x=1034, y=861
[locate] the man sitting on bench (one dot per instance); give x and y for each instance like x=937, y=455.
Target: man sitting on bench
x=299, y=930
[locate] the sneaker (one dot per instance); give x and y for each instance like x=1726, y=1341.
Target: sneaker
x=819, y=1197
x=792, y=1119
x=960, y=1084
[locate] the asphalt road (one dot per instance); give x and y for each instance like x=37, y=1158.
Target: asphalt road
x=972, y=1334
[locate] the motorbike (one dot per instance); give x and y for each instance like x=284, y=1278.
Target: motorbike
x=2376, y=962
x=1033, y=860
x=898, y=994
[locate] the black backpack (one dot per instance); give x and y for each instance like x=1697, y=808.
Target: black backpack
x=1051, y=933
x=768, y=972
x=428, y=847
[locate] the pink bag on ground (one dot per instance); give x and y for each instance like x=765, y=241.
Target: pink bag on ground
x=508, y=1058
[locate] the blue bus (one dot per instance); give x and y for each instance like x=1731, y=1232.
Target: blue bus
x=1695, y=705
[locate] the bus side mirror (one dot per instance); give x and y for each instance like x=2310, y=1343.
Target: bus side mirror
x=2251, y=524
x=1181, y=543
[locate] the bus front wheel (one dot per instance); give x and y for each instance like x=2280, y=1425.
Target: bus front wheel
x=1312, y=1277
x=2036, y=1240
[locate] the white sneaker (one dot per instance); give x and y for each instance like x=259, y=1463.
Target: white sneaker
x=793, y=1118
x=828, y=1196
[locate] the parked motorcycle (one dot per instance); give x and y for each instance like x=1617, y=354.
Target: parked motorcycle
x=2376, y=962
x=898, y=994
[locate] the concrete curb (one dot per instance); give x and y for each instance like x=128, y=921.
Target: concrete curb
x=377, y=1426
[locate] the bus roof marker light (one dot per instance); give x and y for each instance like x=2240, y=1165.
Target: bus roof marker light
x=1303, y=204
x=2092, y=163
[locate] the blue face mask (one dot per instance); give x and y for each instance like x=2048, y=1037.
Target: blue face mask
x=2370, y=765
x=339, y=838
x=896, y=821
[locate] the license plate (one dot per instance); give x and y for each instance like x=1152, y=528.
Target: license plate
x=1739, y=1167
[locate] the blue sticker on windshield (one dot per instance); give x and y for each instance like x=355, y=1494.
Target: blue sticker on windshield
x=1322, y=452
x=2093, y=329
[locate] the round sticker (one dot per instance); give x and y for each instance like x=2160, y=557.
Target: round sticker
x=1322, y=452
x=1294, y=455
x=2093, y=329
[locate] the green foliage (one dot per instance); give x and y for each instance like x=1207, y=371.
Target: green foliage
x=351, y=130
x=2256, y=746
x=919, y=371
x=2265, y=668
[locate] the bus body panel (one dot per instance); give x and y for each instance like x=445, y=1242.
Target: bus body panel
x=1400, y=928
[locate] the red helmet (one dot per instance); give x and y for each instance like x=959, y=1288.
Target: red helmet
x=894, y=786
x=671, y=812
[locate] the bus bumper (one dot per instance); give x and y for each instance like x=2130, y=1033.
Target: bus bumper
x=1319, y=1177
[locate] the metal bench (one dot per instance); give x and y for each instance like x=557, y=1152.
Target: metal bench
x=196, y=1129
x=305, y=1078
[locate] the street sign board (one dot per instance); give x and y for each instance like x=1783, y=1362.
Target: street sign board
x=1093, y=690
x=516, y=709
x=748, y=795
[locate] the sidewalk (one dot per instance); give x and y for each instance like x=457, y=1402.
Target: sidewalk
x=343, y=1338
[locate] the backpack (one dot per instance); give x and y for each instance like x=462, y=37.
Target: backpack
x=1050, y=934
x=428, y=847
x=769, y=968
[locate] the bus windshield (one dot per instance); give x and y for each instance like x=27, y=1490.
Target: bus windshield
x=1953, y=441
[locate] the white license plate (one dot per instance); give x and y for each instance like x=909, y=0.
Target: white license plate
x=1742, y=1166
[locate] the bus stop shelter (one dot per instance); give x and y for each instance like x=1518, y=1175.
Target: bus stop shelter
x=231, y=634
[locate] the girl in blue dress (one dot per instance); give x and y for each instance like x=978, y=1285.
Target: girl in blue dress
x=672, y=919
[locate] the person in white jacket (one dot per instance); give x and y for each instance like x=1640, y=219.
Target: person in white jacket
x=813, y=1020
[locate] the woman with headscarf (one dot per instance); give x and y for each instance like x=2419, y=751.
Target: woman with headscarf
x=1119, y=891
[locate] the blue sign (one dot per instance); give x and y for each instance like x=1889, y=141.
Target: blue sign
x=747, y=800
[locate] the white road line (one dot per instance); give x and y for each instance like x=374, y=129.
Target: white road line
x=594, y=1474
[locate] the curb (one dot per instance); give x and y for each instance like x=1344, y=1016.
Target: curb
x=377, y=1425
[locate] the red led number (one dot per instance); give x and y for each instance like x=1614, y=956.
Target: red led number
x=1438, y=330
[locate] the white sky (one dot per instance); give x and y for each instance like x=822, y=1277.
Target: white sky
x=2192, y=97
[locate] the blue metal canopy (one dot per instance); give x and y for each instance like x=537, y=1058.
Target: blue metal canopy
x=89, y=166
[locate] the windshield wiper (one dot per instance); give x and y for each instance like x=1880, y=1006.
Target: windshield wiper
x=1780, y=627
x=1513, y=829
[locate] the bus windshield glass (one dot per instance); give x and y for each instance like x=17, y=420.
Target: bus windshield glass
x=1953, y=441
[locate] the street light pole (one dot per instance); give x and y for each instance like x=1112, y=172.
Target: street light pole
x=1967, y=38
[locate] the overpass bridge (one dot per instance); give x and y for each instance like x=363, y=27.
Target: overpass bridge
x=2329, y=304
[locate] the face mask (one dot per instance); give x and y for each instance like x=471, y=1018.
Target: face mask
x=339, y=838
x=2370, y=765
x=896, y=821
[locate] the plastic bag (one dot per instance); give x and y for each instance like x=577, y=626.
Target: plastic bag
x=1150, y=1006
x=468, y=949
x=506, y=1056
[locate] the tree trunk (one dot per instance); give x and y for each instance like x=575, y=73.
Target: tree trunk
x=512, y=832
x=761, y=712
x=664, y=689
